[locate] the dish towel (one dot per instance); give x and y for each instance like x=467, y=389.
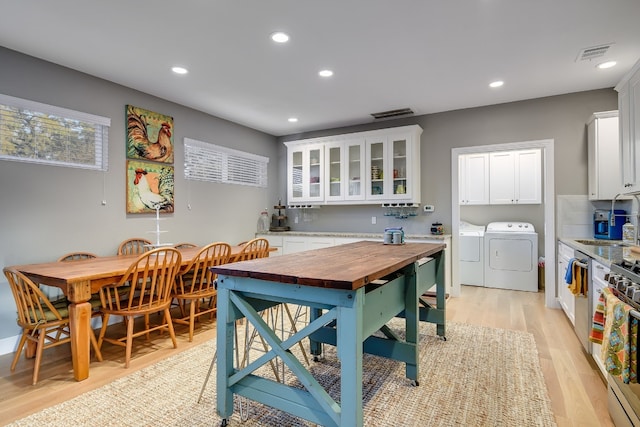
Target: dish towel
x=597, y=326
x=579, y=282
x=618, y=349
x=568, y=277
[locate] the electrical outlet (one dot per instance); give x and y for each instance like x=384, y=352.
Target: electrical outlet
x=429, y=208
x=373, y=220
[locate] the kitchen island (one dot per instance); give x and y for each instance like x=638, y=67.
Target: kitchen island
x=353, y=290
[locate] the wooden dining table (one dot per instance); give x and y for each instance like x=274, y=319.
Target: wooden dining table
x=78, y=280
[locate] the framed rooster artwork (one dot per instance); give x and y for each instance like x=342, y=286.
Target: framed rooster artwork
x=149, y=135
x=149, y=186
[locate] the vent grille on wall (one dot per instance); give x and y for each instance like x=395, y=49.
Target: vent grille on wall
x=592, y=52
x=392, y=113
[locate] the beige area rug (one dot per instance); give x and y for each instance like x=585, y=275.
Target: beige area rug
x=478, y=377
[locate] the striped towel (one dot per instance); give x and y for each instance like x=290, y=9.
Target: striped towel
x=597, y=326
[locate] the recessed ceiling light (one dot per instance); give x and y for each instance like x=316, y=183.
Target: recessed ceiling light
x=325, y=73
x=607, y=64
x=280, y=37
x=292, y=119
x=497, y=83
x=179, y=70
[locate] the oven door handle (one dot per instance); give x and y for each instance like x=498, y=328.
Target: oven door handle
x=582, y=264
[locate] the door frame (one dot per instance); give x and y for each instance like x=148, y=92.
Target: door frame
x=549, y=253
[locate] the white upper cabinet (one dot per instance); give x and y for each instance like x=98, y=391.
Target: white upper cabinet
x=515, y=177
x=358, y=168
x=394, y=174
x=605, y=181
x=345, y=170
x=305, y=180
x=629, y=109
x=473, y=179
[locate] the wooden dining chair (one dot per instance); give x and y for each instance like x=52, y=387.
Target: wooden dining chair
x=256, y=248
x=43, y=323
x=195, y=284
x=76, y=256
x=148, y=282
x=134, y=246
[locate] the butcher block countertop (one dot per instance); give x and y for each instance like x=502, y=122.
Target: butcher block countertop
x=348, y=266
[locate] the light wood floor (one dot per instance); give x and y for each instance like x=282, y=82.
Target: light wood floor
x=577, y=392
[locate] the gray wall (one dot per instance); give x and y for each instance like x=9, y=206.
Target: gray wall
x=46, y=211
x=561, y=118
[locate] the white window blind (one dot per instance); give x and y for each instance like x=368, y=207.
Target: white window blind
x=209, y=162
x=39, y=133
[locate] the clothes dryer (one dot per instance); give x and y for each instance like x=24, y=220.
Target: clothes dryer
x=511, y=256
x=471, y=254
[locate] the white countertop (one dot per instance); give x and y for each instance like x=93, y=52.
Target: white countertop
x=354, y=235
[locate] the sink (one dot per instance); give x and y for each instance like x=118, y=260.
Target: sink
x=593, y=242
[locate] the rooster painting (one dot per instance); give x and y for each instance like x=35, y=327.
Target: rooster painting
x=149, y=187
x=149, y=135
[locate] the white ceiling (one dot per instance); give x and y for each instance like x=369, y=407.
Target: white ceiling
x=428, y=55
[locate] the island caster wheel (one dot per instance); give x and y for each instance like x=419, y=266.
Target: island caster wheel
x=224, y=422
x=415, y=383
x=443, y=338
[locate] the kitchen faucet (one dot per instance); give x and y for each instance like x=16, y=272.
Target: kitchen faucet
x=613, y=216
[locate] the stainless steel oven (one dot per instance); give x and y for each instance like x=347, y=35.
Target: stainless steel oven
x=624, y=399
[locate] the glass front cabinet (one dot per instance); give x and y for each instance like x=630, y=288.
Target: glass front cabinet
x=305, y=181
x=344, y=169
x=380, y=166
x=391, y=169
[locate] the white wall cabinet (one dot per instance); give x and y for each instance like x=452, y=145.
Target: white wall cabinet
x=565, y=297
x=345, y=170
x=359, y=168
x=474, y=179
x=305, y=179
x=629, y=123
x=393, y=172
x=604, y=156
x=515, y=177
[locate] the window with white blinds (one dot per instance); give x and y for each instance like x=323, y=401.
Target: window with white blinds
x=209, y=162
x=39, y=133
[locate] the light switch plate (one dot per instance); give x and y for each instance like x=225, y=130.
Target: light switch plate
x=373, y=220
x=429, y=208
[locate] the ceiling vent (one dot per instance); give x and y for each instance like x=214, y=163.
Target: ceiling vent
x=392, y=114
x=593, y=52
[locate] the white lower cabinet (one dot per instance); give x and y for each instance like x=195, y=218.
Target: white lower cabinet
x=598, y=273
x=565, y=297
x=274, y=242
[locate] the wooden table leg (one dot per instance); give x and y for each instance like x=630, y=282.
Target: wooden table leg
x=80, y=324
x=350, y=337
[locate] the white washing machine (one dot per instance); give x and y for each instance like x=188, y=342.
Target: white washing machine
x=471, y=254
x=511, y=256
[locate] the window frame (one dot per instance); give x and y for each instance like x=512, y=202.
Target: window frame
x=101, y=124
